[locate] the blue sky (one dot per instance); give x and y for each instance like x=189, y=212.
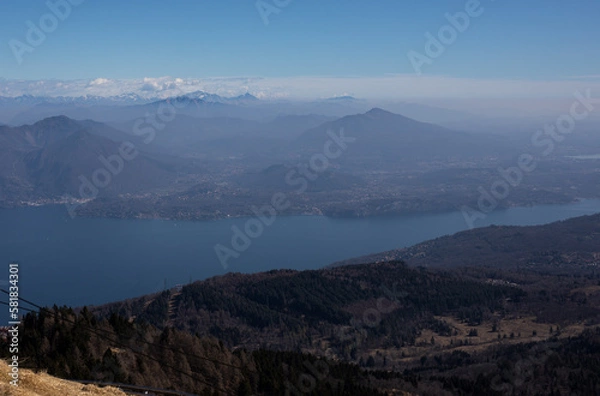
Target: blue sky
x=532, y=40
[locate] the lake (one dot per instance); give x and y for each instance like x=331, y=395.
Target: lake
x=92, y=261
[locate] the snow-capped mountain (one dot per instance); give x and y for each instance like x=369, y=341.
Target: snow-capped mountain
x=134, y=91
x=214, y=98
x=122, y=99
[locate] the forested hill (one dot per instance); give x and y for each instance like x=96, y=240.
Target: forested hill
x=557, y=247
x=312, y=309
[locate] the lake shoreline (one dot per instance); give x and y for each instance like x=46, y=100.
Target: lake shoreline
x=99, y=214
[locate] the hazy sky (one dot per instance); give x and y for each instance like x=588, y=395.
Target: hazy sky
x=523, y=41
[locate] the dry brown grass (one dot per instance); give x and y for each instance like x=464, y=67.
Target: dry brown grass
x=40, y=384
x=522, y=329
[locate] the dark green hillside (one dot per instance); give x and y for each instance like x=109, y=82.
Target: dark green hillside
x=289, y=309
x=561, y=247
x=115, y=350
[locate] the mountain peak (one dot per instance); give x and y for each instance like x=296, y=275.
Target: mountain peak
x=56, y=120
x=247, y=96
x=377, y=112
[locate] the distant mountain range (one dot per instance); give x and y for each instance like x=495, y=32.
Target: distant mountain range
x=123, y=99
x=49, y=158
x=29, y=109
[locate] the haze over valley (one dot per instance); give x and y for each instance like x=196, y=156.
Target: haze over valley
x=185, y=166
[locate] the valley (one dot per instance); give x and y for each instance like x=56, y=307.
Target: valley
x=295, y=198
x=219, y=167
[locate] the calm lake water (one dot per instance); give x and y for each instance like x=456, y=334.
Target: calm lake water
x=93, y=261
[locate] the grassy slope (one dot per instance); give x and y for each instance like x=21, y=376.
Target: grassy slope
x=34, y=384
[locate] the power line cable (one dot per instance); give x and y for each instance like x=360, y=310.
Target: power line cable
x=119, y=343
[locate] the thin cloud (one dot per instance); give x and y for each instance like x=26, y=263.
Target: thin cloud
x=381, y=87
